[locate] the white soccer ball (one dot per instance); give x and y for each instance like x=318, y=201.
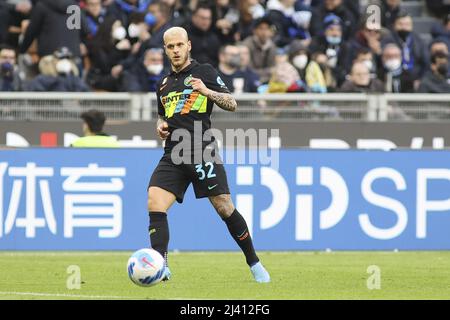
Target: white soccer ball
x=146, y=267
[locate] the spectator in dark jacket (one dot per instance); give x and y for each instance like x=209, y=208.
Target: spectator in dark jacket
x=396, y=78
x=48, y=24
x=122, y=9
x=389, y=12
x=290, y=24
x=9, y=75
x=12, y=13
x=144, y=75
x=161, y=12
x=95, y=15
x=368, y=38
x=246, y=68
x=205, y=44
x=442, y=31
x=440, y=46
x=334, y=47
x=414, y=52
x=236, y=79
x=337, y=8
x=435, y=80
x=106, y=50
x=360, y=81
x=64, y=79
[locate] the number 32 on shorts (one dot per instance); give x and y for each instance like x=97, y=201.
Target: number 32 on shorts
x=209, y=166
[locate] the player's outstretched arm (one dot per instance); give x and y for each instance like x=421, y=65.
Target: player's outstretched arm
x=224, y=101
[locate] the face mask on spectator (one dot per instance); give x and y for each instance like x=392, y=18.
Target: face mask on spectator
x=300, y=61
x=334, y=40
x=369, y=64
x=155, y=68
x=134, y=30
x=443, y=69
x=235, y=62
x=393, y=64
x=119, y=33
x=7, y=69
x=403, y=34
x=63, y=66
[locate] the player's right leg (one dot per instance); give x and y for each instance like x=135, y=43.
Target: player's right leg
x=167, y=184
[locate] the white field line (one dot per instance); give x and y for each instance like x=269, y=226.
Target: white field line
x=61, y=295
x=65, y=295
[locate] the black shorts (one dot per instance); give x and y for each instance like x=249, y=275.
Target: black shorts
x=208, y=178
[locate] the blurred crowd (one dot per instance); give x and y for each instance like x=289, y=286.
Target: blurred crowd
x=272, y=46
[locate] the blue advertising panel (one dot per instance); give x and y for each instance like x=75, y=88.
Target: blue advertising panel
x=95, y=199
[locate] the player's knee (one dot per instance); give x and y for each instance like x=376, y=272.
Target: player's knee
x=155, y=202
x=224, y=206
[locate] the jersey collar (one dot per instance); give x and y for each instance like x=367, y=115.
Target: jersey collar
x=186, y=69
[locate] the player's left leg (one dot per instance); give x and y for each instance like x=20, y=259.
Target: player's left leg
x=239, y=231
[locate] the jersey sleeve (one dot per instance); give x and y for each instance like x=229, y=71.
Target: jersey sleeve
x=212, y=79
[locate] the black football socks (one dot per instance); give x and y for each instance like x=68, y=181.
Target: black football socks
x=159, y=232
x=240, y=233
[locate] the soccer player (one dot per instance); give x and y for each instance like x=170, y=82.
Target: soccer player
x=186, y=96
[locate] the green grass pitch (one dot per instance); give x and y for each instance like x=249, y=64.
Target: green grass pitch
x=224, y=275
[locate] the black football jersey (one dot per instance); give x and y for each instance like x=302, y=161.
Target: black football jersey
x=180, y=105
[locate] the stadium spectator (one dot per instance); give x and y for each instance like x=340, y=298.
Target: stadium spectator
x=161, y=13
x=367, y=57
x=319, y=76
x=298, y=57
x=48, y=24
x=11, y=14
x=333, y=45
x=262, y=48
x=226, y=18
x=236, y=79
x=360, y=81
x=335, y=7
x=145, y=74
x=179, y=11
x=9, y=74
x=290, y=24
x=389, y=12
x=440, y=46
x=368, y=38
x=284, y=77
x=123, y=9
x=442, y=31
x=94, y=137
x=64, y=79
x=435, y=80
x=245, y=65
x=205, y=44
x=396, y=78
x=414, y=52
x=106, y=50
x=95, y=15
x=249, y=11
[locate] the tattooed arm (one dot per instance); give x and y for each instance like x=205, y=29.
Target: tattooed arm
x=224, y=101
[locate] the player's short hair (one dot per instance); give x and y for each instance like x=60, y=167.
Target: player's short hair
x=94, y=119
x=203, y=5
